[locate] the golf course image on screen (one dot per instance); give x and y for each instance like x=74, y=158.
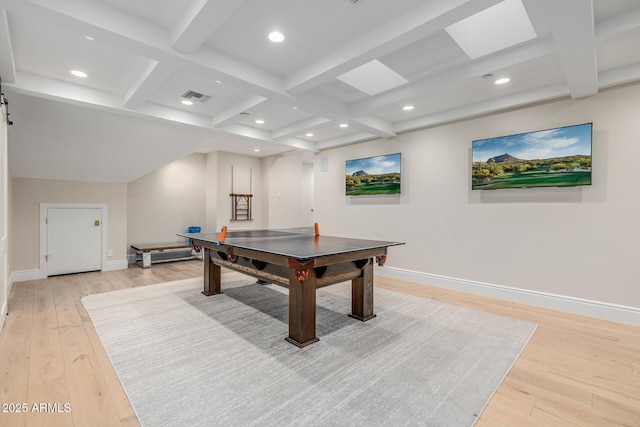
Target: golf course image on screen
x=559, y=157
x=373, y=175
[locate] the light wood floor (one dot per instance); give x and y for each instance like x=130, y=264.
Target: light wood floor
x=575, y=371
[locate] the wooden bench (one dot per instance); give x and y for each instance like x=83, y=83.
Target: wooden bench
x=151, y=253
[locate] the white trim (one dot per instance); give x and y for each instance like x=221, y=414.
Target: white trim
x=11, y=280
x=3, y=313
x=43, y=229
x=119, y=264
x=603, y=310
x=23, y=276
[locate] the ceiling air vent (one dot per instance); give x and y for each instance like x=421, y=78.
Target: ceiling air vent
x=195, y=96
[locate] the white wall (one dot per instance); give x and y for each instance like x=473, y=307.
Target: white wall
x=193, y=191
x=286, y=193
x=24, y=246
x=247, y=179
x=575, y=242
x=167, y=201
x=211, y=189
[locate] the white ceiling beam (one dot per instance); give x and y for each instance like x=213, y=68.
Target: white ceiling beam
x=375, y=125
x=200, y=22
x=154, y=76
x=575, y=43
x=421, y=22
x=250, y=104
x=315, y=103
x=343, y=140
x=248, y=132
x=70, y=93
x=7, y=62
x=56, y=90
x=302, y=126
x=320, y=105
x=299, y=144
x=263, y=135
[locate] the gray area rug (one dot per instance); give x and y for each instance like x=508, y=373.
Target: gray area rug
x=189, y=360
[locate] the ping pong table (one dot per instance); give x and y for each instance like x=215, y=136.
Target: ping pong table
x=299, y=259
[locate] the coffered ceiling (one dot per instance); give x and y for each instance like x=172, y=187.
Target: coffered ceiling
x=342, y=62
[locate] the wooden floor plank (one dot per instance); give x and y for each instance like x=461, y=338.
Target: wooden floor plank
x=15, y=350
x=48, y=388
x=575, y=370
x=91, y=402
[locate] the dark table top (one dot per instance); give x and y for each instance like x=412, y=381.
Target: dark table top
x=292, y=245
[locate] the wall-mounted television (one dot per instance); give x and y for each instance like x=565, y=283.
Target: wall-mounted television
x=373, y=175
x=559, y=157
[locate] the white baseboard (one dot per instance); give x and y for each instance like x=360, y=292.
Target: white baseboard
x=23, y=276
x=602, y=310
x=120, y=264
x=3, y=315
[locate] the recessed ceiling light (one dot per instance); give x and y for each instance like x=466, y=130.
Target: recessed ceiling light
x=78, y=73
x=260, y=122
x=187, y=102
x=257, y=150
x=344, y=125
x=502, y=81
x=408, y=107
x=276, y=36
x=219, y=82
x=88, y=38
x=309, y=135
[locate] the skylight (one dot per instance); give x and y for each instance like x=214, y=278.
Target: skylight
x=372, y=78
x=501, y=26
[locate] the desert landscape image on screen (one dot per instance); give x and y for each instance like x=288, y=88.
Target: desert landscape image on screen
x=557, y=157
x=373, y=175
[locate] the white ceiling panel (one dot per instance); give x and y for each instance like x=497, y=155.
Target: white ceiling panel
x=312, y=29
x=542, y=73
x=426, y=56
x=275, y=117
x=164, y=13
x=222, y=95
x=54, y=51
x=620, y=51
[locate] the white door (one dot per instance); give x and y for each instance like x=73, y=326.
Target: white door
x=74, y=240
x=307, y=190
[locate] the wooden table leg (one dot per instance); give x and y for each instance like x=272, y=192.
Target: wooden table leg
x=362, y=294
x=212, y=275
x=302, y=308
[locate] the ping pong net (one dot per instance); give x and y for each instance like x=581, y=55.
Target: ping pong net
x=264, y=234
